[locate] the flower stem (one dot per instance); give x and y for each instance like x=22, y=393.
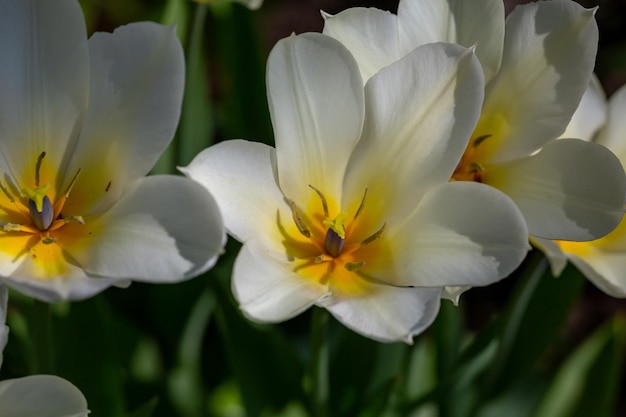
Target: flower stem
x=319, y=362
x=41, y=336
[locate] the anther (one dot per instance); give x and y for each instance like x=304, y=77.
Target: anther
x=7, y=193
x=480, y=140
x=319, y=259
x=324, y=202
x=354, y=266
x=297, y=219
x=361, y=205
x=375, y=236
x=38, y=167
x=48, y=240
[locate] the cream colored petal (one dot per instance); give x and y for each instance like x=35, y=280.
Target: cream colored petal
x=315, y=96
x=549, y=53
x=552, y=251
x=461, y=234
x=41, y=396
x=613, y=135
x=590, y=115
x=570, y=190
x=44, y=83
x=239, y=174
x=74, y=285
x=4, y=329
x=267, y=289
x=385, y=313
x=467, y=23
x=164, y=229
x=605, y=270
x=420, y=112
x=370, y=34
x=137, y=79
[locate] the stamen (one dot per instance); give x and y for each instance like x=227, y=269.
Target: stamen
x=324, y=202
x=476, y=167
x=48, y=240
x=38, y=167
x=319, y=259
x=354, y=266
x=361, y=205
x=297, y=219
x=375, y=236
x=12, y=227
x=58, y=206
x=480, y=140
x=7, y=193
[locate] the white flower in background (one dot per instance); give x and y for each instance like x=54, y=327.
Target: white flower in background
x=537, y=65
x=353, y=207
x=37, y=395
x=81, y=123
x=602, y=261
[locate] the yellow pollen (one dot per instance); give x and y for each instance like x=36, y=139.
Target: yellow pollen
x=336, y=225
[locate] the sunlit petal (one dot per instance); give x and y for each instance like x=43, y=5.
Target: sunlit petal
x=613, y=135
x=370, y=34
x=461, y=234
x=315, y=97
x=387, y=313
x=41, y=396
x=267, y=289
x=571, y=190
x=467, y=23
x=424, y=107
x=147, y=237
x=549, y=53
x=137, y=77
x=590, y=115
x=43, y=81
x=240, y=176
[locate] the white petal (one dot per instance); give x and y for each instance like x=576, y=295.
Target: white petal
x=41, y=396
x=137, y=79
x=266, y=287
x=420, y=112
x=386, y=313
x=4, y=329
x=370, y=34
x=315, y=96
x=552, y=251
x=466, y=23
x=613, y=136
x=461, y=234
x=549, y=53
x=43, y=80
x=239, y=174
x=164, y=229
x=74, y=285
x=570, y=190
x=605, y=269
x=590, y=115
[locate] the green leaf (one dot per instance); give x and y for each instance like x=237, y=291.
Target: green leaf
x=587, y=382
x=147, y=409
x=538, y=311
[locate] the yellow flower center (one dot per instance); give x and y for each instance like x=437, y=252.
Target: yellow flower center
x=31, y=222
x=331, y=249
x=470, y=167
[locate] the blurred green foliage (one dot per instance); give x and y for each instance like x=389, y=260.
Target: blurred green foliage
x=185, y=350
